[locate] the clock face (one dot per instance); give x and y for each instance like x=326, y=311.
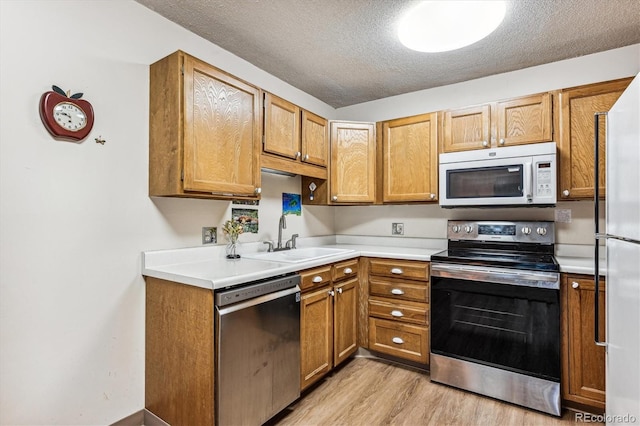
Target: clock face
x=70, y=116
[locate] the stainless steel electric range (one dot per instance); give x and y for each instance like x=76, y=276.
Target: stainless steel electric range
x=495, y=318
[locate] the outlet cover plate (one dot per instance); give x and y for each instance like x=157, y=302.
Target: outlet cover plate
x=397, y=228
x=209, y=235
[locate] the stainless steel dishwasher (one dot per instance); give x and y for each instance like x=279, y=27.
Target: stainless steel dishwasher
x=257, y=350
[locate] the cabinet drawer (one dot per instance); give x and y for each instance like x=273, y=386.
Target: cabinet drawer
x=400, y=269
x=346, y=269
x=314, y=278
x=399, y=289
x=418, y=314
x=402, y=340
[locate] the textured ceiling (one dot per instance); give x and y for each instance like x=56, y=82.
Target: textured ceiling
x=345, y=52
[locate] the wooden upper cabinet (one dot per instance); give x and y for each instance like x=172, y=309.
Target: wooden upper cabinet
x=353, y=162
x=583, y=378
x=518, y=121
x=204, y=131
x=295, y=141
x=576, y=136
x=466, y=128
x=410, y=159
x=525, y=120
x=281, y=127
x=315, y=139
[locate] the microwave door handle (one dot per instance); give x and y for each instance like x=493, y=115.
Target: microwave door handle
x=528, y=180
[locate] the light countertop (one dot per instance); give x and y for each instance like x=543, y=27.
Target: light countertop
x=207, y=267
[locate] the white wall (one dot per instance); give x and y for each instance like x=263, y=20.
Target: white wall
x=74, y=218
x=430, y=221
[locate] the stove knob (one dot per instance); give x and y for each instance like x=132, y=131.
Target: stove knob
x=541, y=231
x=468, y=229
x=455, y=228
x=526, y=230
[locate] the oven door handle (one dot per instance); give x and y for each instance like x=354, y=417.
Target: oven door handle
x=550, y=280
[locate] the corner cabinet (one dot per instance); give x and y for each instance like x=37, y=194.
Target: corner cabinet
x=518, y=121
x=204, y=131
x=410, y=159
x=583, y=369
x=353, y=163
x=295, y=140
x=328, y=319
x=576, y=137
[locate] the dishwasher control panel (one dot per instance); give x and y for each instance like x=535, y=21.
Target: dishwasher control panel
x=255, y=289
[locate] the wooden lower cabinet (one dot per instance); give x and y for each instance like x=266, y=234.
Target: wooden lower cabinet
x=179, y=353
x=583, y=372
x=398, y=309
x=328, y=319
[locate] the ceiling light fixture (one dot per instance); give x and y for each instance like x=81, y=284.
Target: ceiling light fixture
x=440, y=26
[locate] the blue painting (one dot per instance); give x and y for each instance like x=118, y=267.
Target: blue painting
x=291, y=204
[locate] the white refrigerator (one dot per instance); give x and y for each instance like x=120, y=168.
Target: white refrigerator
x=622, y=237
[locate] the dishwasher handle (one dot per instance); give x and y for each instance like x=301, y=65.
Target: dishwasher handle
x=258, y=300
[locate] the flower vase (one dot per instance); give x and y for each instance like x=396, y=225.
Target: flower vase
x=232, y=249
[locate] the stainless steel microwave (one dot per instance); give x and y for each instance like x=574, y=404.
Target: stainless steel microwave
x=522, y=175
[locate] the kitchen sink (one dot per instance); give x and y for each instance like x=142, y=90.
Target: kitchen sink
x=297, y=255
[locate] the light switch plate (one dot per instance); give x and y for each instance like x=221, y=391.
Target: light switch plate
x=209, y=235
x=397, y=228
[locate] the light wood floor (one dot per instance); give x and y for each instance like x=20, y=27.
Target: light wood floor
x=373, y=392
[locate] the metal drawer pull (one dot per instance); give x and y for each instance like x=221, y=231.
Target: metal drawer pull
x=397, y=313
x=317, y=279
x=339, y=290
x=397, y=271
x=575, y=284
x=397, y=291
x=348, y=270
x=397, y=340
x=331, y=293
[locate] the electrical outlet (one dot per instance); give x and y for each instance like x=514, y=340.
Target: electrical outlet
x=397, y=229
x=209, y=235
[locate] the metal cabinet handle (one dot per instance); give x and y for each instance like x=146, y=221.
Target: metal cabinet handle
x=566, y=193
x=334, y=198
x=501, y=142
x=258, y=190
x=397, y=271
x=298, y=154
x=331, y=293
x=348, y=270
x=397, y=314
x=397, y=340
x=432, y=196
x=397, y=291
x=575, y=284
x=485, y=143
x=306, y=157
x=339, y=290
x=317, y=279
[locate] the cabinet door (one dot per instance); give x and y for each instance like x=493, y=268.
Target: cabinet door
x=353, y=162
x=345, y=316
x=576, y=137
x=222, y=131
x=466, y=128
x=316, y=335
x=281, y=127
x=315, y=139
x=410, y=159
x=584, y=372
x=525, y=120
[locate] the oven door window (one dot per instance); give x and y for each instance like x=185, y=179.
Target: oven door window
x=487, y=182
x=505, y=326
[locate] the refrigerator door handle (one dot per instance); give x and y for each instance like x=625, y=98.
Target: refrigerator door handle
x=598, y=236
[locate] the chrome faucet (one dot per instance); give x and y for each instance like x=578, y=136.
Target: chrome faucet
x=281, y=225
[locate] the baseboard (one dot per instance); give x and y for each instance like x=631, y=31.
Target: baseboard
x=141, y=418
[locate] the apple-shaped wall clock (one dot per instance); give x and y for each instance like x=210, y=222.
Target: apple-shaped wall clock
x=64, y=116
